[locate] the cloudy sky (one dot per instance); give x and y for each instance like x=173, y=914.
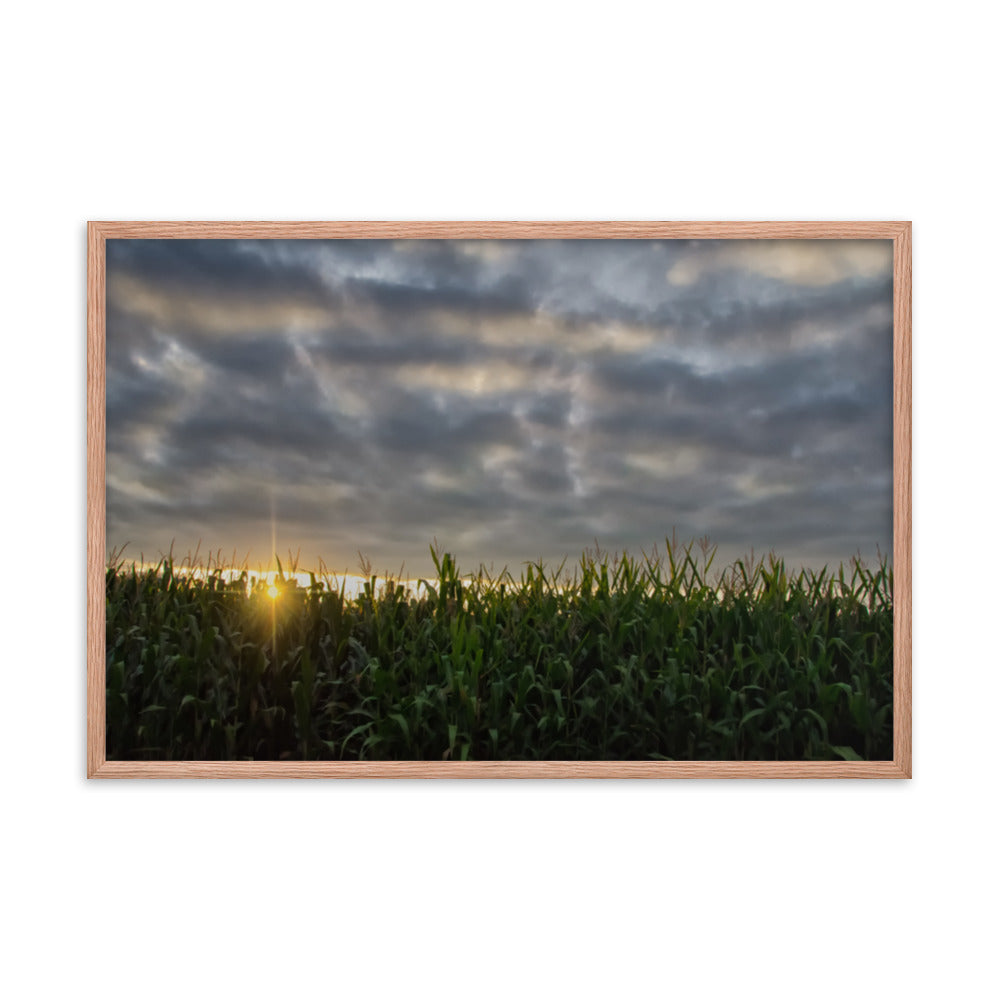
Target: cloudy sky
x=514, y=399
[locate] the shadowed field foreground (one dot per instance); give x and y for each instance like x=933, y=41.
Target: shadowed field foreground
x=624, y=659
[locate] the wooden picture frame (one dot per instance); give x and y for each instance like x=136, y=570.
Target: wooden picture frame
x=99, y=233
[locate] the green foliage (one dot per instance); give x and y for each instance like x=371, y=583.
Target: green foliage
x=627, y=659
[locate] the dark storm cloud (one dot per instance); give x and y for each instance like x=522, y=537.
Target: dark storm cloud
x=212, y=268
x=505, y=298
x=259, y=356
x=643, y=376
x=550, y=410
x=357, y=346
x=729, y=307
x=136, y=394
x=452, y=436
x=515, y=399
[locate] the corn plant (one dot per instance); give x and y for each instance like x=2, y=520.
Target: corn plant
x=622, y=658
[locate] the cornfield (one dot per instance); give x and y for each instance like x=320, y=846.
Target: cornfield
x=625, y=658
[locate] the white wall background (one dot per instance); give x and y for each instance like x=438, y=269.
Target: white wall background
x=503, y=111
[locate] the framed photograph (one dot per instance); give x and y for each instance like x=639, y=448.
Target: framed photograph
x=499, y=499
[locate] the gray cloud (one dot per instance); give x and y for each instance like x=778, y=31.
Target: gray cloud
x=515, y=399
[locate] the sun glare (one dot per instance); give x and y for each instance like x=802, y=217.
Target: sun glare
x=272, y=592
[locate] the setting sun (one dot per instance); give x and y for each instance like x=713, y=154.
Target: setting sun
x=273, y=592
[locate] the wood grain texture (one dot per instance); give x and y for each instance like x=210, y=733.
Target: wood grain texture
x=500, y=769
x=898, y=232
x=902, y=508
x=500, y=230
x=96, y=554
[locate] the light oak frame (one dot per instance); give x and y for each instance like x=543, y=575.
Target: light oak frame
x=899, y=232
